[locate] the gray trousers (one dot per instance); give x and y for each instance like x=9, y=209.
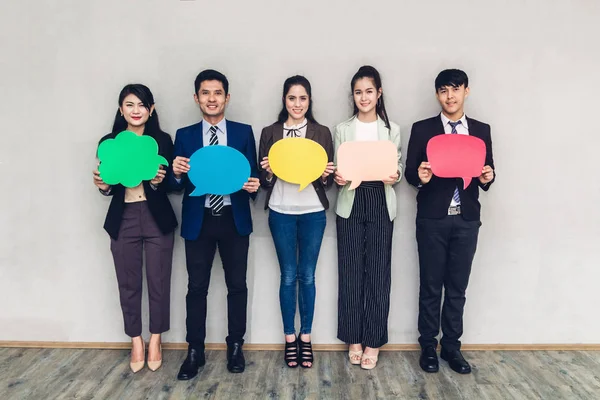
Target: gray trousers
x=140, y=233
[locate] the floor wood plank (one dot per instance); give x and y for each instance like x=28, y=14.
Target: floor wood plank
x=104, y=374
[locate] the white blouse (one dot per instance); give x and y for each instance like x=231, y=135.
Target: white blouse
x=366, y=131
x=285, y=197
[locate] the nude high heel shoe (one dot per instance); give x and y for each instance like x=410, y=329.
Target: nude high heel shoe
x=137, y=366
x=154, y=365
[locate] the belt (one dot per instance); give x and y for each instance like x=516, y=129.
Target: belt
x=454, y=210
x=225, y=210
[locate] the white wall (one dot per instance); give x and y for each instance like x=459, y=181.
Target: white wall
x=534, y=69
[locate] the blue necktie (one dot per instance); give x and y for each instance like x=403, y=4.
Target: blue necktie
x=215, y=200
x=456, y=195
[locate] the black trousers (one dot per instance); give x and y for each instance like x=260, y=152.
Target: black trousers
x=446, y=250
x=364, y=268
x=217, y=231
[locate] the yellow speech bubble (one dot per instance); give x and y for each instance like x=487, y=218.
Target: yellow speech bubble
x=298, y=160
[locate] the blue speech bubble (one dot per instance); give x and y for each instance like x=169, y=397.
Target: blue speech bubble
x=218, y=170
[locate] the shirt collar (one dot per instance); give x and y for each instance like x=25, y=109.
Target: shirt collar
x=206, y=126
x=300, y=125
x=463, y=120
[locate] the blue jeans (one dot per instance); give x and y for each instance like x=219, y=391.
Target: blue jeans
x=297, y=241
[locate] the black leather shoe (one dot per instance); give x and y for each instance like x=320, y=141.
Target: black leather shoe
x=235, y=358
x=429, y=360
x=189, y=369
x=456, y=361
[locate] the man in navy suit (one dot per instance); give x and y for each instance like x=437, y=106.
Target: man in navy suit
x=213, y=221
x=448, y=221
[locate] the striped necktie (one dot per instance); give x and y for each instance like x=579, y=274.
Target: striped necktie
x=456, y=195
x=215, y=200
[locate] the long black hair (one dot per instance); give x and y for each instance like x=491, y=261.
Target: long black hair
x=287, y=85
x=367, y=71
x=152, y=127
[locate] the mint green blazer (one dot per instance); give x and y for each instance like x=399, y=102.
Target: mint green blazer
x=345, y=132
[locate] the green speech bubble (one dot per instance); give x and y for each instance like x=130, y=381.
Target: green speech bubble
x=129, y=159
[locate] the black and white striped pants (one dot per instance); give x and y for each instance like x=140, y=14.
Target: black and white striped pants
x=364, y=267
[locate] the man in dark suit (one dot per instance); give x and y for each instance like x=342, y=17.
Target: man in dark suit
x=213, y=221
x=448, y=221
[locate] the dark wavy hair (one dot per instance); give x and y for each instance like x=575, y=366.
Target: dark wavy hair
x=287, y=85
x=367, y=71
x=152, y=127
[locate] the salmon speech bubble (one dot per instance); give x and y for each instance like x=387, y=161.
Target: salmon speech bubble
x=298, y=160
x=456, y=156
x=367, y=161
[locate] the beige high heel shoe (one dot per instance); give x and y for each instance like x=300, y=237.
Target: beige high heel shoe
x=355, y=356
x=138, y=365
x=371, y=359
x=154, y=365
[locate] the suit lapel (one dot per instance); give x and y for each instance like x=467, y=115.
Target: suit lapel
x=383, y=133
x=311, y=131
x=351, y=132
x=231, y=136
x=439, y=125
x=277, y=133
x=472, y=127
x=197, y=139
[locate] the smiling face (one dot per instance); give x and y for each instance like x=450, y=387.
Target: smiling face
x=297, y=102
x=452, y=100
x=212, y=99
x=366, y=95
x=134, y=111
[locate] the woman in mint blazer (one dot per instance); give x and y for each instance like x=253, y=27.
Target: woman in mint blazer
x=365, y=226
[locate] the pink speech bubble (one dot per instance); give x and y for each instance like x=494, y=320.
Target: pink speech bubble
x=367, y=161
x=456, y=156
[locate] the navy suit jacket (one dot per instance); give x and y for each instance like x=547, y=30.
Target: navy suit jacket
x=434, y=198
x=187, y=141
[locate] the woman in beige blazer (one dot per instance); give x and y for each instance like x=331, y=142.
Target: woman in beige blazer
x=364, y=228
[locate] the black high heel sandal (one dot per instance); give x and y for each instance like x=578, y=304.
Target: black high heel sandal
x=290, y=354
x=306, y=353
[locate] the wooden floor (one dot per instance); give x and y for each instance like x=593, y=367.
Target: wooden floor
x=104, y=374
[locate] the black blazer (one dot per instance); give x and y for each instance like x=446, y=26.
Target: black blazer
x=434, y=198
x=158, y=202
x=271, y=134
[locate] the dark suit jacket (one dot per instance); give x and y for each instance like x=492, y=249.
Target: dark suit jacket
x=434, y=198
x=187, y=141
x=271, y=134
x=158, y=202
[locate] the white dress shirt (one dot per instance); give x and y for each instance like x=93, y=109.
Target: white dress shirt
x=222, y=136
x=461, y=129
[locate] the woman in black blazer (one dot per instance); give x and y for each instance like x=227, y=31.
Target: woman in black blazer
x=138, y=219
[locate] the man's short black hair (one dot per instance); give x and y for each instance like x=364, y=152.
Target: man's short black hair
x=451, y=77
x=211, y=75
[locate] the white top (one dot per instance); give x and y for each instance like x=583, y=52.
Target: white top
x=285, y=197
x=366, y=131
x=461, y=129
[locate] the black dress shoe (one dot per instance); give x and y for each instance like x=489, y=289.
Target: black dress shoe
x=456, y=361
x=189, y=369
x=429, y=360
x=235, y=358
